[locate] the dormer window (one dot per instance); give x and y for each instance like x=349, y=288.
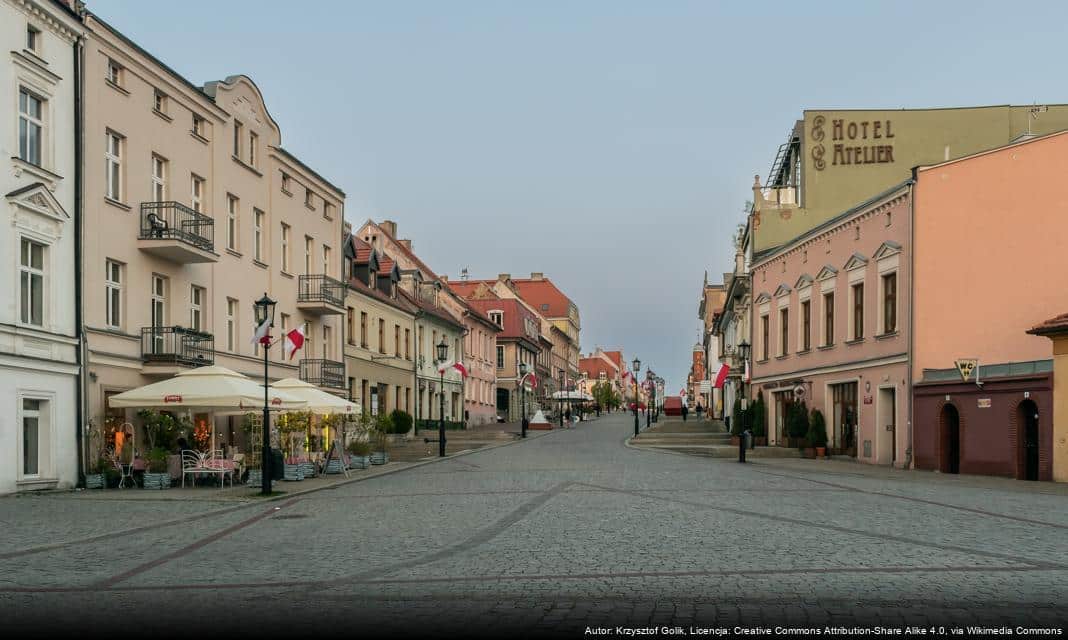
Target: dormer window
x=372, y=279
x=497, y=317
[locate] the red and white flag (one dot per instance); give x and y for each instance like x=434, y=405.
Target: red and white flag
x=683, y=393
x=533, y=380
x=260, y=335
x=459, y=366
x=292, y=342
x=721, y=375
x=747, y=371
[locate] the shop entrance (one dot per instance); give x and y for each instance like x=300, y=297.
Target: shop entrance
x=844, y=418
x=950, y=421
x=1027, y=421
x=783, y=401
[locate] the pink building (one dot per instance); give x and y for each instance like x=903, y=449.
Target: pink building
x=829, y=329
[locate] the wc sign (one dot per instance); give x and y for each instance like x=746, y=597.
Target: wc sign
x=966, y=367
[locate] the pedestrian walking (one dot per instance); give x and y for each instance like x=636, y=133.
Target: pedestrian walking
x=685, y=410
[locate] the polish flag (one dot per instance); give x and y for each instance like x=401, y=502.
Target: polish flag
x=721, y=375
x=533, y=380
x=459, y=366
x=293, y=341
x=683, y=393
x=747, y=371
x=261, y=333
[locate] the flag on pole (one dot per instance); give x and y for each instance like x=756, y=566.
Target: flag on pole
x=747, y=371
x=721, y=375
x=293, y=341
x=261, y=332
x=459, y=366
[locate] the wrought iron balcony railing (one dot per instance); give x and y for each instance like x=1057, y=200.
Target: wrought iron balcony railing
x=321, y=288
x=323, y=373
x=177, y=345
x=174, y=220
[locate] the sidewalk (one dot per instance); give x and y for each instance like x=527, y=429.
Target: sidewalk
x=707, y=438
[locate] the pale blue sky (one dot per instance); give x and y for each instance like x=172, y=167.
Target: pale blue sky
x=608, y=144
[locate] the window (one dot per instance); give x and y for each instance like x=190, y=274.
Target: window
x=113, y=294
x=350, y=325
x=407, y=344
x=765, y=335
x=497, y=317
x=196, y=308
x=159, y=102
x=285, y=330
x=114, y=73
x=328, y=342
x=237, y=138
x=231, y=222
x=806, y=325
x=199, y=127
x=396, y=340
x=828, y=319
x=309, y=251
x=500, y=356
x=326, y=260
x=159, y=179
x=196, y=193
x=285, y=183
x=33, y=38
x=308, y=195
x=32, y=412
x=381, y=335
x=328, y=210
x=285, y=247
x=159, y=301
x=363, y=329
x=858, y=311
x=31, y=280
x=31, y=127
x=784, y=331
x=890, y=303
x=257, y=244
x=253, y=143
x=113, y=165
x=231, y=324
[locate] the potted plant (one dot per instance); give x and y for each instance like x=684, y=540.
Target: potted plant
x=359, y=451
x=380, y=443
x=736, y=423
x=156, y=476
x=96, y=476
x=797, y=425
x=817, y=433
x=758, y=421
x=400, y=422
x=290, y=426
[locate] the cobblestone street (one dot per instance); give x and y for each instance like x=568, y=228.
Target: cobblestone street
x=563, y=531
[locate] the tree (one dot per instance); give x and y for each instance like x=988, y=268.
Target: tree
x=604, y=395
x=817, y=430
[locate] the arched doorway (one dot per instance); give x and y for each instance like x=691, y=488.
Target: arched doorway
x=950, y=421
x=1027, y=437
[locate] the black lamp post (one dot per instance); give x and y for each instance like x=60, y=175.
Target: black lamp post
x=443, y=354
x=652, y=396
x=523, y=397
x=560, y=404
x=264, y=308
x=637, y=364
x=743, y=353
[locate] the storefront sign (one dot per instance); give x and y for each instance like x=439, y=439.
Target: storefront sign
x=853, y=142
x=966, y=366
x=984, y=403
x=867, y=399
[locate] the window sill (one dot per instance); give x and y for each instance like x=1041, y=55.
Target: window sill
x=825, y=347
x=887, y=335
x=163, y=115
x=782, y=357
x=36, y=482
x=262, y=265
x=33, y=55
x=116, y=87
x=286, y=274
x=854, y=341
x=246, y=165
x=197, y=136
x=36, y=169
x=233, y=252
x=287, y=192
x=804, y=351
x=309, y=207
x=116, y=203
x=764, y=361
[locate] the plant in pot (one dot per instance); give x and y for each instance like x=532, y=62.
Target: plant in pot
x=292, y=428
x=758, y=422
x=96, y=477
x=156, y=476
x=380, y=441
x=359, y=452
x=736, y=422
x=817, y=433
x=797, y=426
x=400, y=422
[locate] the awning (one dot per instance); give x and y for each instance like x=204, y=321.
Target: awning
x=318, y=401
x=206, y=388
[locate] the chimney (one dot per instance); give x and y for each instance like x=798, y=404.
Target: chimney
x=537, y=275
x=407, y=244
x=504, y=276
x=389, y=227
x=444, y=278
x=739, y=262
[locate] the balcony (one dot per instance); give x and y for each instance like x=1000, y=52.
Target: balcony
x=320, y=295
x=323, y=373
x=169, y=350
x=174, y=232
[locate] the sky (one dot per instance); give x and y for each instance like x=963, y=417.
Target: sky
x=609, y=144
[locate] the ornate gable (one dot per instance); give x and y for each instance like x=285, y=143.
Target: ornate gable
x=827, y=272
x=804, y=281
x=35, y=209
x=762, y=298
x=886, y=250
x=783, y=290
x=855, y=261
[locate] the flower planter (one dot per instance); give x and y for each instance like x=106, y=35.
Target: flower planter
x=308, y=469
x=94, y=481
x=157, y=481
x=821, y=452
x=335, y=466
x=255, y=478
x=359, y=462
x=292, y=473
x=735, y=440
x=809, y=452
x=379, y=457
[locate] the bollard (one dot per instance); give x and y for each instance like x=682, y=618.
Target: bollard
x=741, y=446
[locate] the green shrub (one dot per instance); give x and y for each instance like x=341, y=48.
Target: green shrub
x=736, y=418
x=359, y=447
x=797, y=420
x=758, y=419
x=157, y=460
x=401, y=421
x=817, y=429
x=383, y=423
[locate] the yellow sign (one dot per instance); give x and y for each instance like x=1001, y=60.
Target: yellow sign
x=966, y=366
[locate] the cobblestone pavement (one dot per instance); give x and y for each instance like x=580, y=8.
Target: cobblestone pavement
x=548, y=537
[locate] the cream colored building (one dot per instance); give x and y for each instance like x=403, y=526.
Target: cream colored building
x=192, y=211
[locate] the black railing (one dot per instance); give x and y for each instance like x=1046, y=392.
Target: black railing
x=321, y=288
x=174, y=220
x=177, y=345
x=323, y=373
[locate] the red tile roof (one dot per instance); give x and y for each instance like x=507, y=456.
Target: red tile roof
x=400, y=302
x=544, y=296
x=593, y=367
x=616, y=357
x=513, y=314
x=362, y=249
x=1053, y=326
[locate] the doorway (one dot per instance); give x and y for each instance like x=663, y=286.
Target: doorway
x=950, y=421
x=783, y=401
x=887, y=426
x=844, y=418
x=1027, y=421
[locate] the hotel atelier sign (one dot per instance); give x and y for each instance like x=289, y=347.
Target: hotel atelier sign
x=852, y=142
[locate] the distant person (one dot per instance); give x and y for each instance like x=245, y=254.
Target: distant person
x=685, y=411
x=699, y=410
x=567, y=417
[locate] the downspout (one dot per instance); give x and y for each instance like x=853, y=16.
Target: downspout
x=912, y=313
x=415, y=367
x=79, y=229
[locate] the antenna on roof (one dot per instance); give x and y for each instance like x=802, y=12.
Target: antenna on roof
x=463, y=274
x=1035, y=110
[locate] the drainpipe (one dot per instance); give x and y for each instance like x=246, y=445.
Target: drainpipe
x=912, y=313
x=415, y=368
x=79, y=229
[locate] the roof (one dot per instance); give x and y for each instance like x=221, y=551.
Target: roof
x=544, y=295
x=616, y=357
x=427, y=271
x=513, y=312
x=429, y=309
x=984, y=152
x=399, y=302
x=594, y=366
x=1051, y=327
x=315, y=174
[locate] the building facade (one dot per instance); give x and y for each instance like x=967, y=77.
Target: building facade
x=193, y=211
x=732, y=326
x=39, y=330
x=708, y=312
x=516, y=344
x=480, y=391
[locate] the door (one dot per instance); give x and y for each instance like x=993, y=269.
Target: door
x=887, y=426
x=158, y=313
x=950, y=439
x=1028, y=417
x=844, y=413
x=783, y=400
x=502, y=403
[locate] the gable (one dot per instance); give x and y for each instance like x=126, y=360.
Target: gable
x=804, y=281
x=36, y=210
x=887, y=249
x=783, y=290
x=827, y=272
x=762, y=298
x=855, y=261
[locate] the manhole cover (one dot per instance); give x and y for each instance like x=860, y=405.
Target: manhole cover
x=290, y=516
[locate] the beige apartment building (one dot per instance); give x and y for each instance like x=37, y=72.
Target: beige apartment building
x=194, y=210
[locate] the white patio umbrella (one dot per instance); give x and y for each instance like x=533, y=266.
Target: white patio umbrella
x=318, y=401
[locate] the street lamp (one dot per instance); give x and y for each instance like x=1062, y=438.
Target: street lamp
x=523, y=397
x=264, y=313
x=560, y=403
x=743, y=353
x=652, y=396
x=443, y=354
x=637, y=364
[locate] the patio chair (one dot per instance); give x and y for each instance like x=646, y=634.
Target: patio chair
x=125, y=472
x=192, y=463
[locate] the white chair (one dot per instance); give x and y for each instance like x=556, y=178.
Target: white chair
x=192, y=463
